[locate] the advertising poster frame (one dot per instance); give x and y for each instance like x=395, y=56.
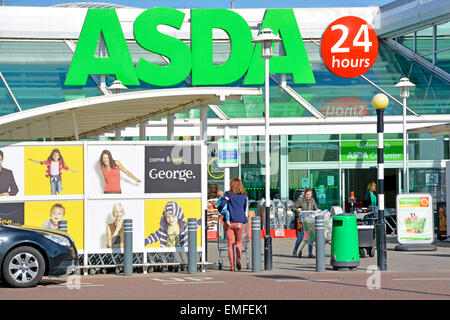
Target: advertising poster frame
x=87, y=199
x=415, y=219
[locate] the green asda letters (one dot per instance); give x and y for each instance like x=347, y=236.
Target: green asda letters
x=84, y=61
x=244, y=59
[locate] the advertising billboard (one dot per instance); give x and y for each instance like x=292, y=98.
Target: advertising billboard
x=95, y=185
x=415, y=218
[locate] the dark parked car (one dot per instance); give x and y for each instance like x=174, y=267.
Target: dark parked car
x=27, y=254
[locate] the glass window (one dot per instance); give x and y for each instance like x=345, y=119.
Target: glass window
x=310, y=152
x=427, y=150
x=407, y=40
x=443, y=35
x=7, y=104
x=252, y=164
x=36, y=71
x=443, y=60
x=281, y=105
x=298, y=179
x=316, y=137
x=431, y=180
x=431, y=95
x=326, y=184
x=424, y=40
x=371, y=136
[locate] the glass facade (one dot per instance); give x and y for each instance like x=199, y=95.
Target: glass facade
x=35, y=70
x=313, y=161
x=432, y=43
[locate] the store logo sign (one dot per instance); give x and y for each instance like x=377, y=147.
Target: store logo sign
x=184, y=60
x=367, y=150
x=172, y=169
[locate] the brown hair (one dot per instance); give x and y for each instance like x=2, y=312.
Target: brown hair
x=308, y=190
x=112, y=162
x=50, y=157
x=236, y=186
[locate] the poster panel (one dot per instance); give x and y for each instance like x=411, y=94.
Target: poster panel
x=12, y=213
x=228, y=152
x=115, y=169
x=104, y=224
x=212, y=219
x=166, y=222
x=415, y=218
x=46, y=214
x=173, y=169
x=12, y=172
x=53, y=170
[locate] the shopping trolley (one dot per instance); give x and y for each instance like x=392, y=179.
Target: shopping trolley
x=309, y=226
x=222, y=243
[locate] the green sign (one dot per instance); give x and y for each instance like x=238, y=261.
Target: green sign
x=367, y=151
x=196, y=59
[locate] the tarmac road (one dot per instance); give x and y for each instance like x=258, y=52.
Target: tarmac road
x=410, y=276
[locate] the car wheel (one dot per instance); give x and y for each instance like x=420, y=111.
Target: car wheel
x=23, y=267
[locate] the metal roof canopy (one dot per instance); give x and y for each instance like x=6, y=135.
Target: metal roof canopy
x=88, y=117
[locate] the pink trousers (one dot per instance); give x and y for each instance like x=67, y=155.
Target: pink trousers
x=235, y=232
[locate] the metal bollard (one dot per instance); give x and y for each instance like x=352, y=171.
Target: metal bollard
x=62, y=225
x=320, y=243
x=192, y=245
x=256, y=244
x=206, y=237
x=127, y=247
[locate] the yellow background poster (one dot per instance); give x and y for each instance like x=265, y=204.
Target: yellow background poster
x=192, y=208
x=37, y=213
x=36, y=183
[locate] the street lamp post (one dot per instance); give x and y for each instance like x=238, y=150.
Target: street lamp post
x=380, y=102
x=117, y=87
x=404, y=86
x=267, y=38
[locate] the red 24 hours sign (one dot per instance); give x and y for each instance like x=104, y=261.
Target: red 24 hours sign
x=349, y=47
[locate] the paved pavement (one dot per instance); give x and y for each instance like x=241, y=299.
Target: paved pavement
x=410, y=275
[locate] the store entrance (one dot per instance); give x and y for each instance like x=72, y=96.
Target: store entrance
x=357, y=180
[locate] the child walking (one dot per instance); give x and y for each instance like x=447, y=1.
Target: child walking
x=55, y=166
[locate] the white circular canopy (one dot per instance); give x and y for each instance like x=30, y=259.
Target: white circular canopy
x=91, y=116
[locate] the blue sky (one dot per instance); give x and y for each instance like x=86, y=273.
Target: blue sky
x=214, y=3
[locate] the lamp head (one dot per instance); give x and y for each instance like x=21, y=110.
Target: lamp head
x=266, y=38
x=404, y=86
x=380, y=101
x=117, y=86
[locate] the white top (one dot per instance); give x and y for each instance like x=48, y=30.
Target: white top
x=54, y=168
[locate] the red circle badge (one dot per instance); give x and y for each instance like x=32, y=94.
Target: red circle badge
x=349, y=47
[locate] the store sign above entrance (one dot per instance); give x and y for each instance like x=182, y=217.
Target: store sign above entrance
x=197, y=59
x=367, y=150
x=349, y=47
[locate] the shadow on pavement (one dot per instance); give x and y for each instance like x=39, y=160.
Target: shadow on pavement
x=282, y=277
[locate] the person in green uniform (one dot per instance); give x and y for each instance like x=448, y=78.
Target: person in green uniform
x=370, y=197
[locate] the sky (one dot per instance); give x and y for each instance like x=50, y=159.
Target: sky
x=180, y=4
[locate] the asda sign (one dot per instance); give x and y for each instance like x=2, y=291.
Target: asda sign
x=195, y=60
x=361, y=151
